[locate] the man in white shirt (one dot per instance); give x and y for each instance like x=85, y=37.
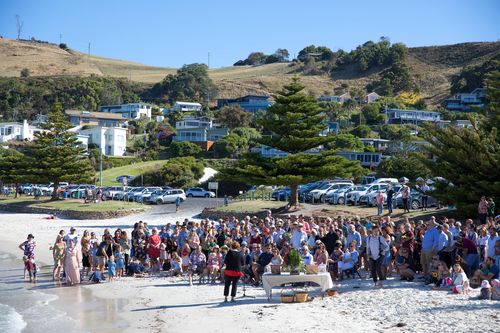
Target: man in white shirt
x=376, y=248
x=71, y=237
x=490, y=244
x=298, y=236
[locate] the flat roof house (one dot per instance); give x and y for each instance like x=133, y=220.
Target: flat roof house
x=17, y=131
x=187, y=107
x=397, y=116
x=80, y=118
x=250, y=103
x=129, y=111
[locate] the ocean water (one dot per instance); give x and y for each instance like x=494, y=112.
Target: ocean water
x=47, y=306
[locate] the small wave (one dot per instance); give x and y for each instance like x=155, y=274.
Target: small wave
x=10, y=320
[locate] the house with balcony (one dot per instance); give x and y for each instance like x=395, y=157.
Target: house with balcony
x=467, y=101
x=187, y=107
x=199, y=130
x=378, y=144
x=104, y=119
x=250, y=103
x=397, y=116
x=17, y=131
x=129, y=111
x=366, y=159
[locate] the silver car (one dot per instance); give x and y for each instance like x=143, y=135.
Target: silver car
x=167, y=196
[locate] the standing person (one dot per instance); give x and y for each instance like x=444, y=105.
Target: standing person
x=28, y=248
x=234, y=262
x=429, y=245
x=376, y=248
x=425, y=190
x=482, y=209
x=405, y=195
x=379, y=200
x=177, y=204
x=85, y=243
x=390, y=194
x=58, y=255
x=125, y=245
x=491, y=211
x=71, y=264
x=154, y=245
x=71, y=237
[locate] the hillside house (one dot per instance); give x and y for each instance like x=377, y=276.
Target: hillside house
x=17, y=131
x=81, y=118
x=467, y=101
x=250, y=103
x=339, y=99
x=187, y=107
x=111, y=140
x=371, y=97
x=199, y=130
x=397, y=116
x=129, y=111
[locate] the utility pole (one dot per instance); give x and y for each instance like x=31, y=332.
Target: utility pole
x=88, y=58
x=60, y=38
x=208, y=63
x=100, y=168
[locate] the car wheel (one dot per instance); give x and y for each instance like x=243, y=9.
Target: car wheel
x=341, y=201
x=322, y=199
x=189, y=195
x=158, y=202
x=415, y=204
x=207, y=195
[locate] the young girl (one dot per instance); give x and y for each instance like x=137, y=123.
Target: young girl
x=175, y=265
x=163, y=252
x=185, y=257
x=120, y=261
x=111, y=268
x=93, y=255
x=214, y=263
x=460, y=280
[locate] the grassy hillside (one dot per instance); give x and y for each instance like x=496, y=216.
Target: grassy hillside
x=109, y=176
x=432, y=67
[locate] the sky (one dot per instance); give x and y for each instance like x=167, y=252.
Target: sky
x=171, y=33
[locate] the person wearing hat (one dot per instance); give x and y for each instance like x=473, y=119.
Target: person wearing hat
x=298, y=236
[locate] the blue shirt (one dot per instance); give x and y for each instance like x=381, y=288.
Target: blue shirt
x=431, y=239
x=442, y=241
x=355, y=236
x=308, y=259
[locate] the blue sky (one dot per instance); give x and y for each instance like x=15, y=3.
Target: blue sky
x=171, y=33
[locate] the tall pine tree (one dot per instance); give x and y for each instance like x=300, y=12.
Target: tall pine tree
x=293, y=125
x=56, y=155
x=13, y=166
x=469, y=158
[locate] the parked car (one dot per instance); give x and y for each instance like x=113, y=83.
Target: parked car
x=199, y=192
x=167, y=196
x=320, y=194
x=338, y=197
x=143, y=196
x=129, y=196
x=282, y=194
x=120, y=178
x=111, y=191
x=354, y=196
x=80, y=191
x=416, y=200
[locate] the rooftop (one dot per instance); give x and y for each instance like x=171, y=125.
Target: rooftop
x=97, y=115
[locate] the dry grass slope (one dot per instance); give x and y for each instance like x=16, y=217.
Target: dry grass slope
x=431, y=66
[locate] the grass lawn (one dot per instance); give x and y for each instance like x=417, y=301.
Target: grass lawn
x=78, y=205
x=250, y=206
x=109, y=176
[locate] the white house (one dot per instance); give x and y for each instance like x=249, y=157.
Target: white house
x=111, y=140
x=194, y=122
x=186, y=107
x=17, y=131
x=130, y=110
x=339, y=99
x=371, y=97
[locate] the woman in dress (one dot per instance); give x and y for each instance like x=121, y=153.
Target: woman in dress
x=28, y=247
x=154, y=245
x=71, y=264
x=58, y=254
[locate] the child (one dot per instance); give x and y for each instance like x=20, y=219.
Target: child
x=485, y=290
x=96, y=277
x=163, y=252
x=185, y=258
x=93, y=255
x=175, y=264
x=120, y=261
x=214, y=263
x=25, y=261
x=460, y=280
x=111, y=268
x=30, y=266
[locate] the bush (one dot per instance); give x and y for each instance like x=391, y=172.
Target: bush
x=25, y=72
x=64, y=46
x=184, y=148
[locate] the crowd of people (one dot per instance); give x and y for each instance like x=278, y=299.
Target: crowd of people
x=447, y=254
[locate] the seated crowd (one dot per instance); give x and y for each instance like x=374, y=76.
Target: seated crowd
x=450, y=255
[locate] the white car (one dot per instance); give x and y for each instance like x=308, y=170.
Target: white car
x=354, y=196
x=321, y=193
x=112, y=191
x=146, y=193
x=167, y=196
x=199, y=192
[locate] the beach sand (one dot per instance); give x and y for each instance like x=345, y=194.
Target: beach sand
x=159, y=304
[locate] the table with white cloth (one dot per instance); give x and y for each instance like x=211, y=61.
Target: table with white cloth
x=272, y=280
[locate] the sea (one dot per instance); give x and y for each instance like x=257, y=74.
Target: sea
x=47, y=306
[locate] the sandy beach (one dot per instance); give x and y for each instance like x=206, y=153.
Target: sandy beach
x=157, y=304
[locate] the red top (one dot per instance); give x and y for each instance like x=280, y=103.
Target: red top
x=154, y=246
x=228, y=272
